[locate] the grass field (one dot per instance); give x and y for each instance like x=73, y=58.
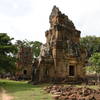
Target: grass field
x=24, y=91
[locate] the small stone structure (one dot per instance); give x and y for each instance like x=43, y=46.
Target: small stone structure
x=24, y=63
x=62, y=58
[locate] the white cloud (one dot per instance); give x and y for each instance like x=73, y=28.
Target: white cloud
x=29, y=19
x=15, y=7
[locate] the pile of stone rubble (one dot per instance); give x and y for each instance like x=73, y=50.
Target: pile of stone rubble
x=72, y=93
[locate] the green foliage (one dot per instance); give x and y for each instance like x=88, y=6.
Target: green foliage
x=92, y=43
x=95, y=62
x=24, y=43
x=35, y=45
x=7, y=53
x=89, y=69
x=36, y=48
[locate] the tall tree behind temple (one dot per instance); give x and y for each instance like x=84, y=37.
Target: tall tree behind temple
x=95, y=62
x=35, y=45
x=92, y=43
x=7, y=53
x=36, y=48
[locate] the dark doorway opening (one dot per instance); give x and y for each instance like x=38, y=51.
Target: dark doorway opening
x=71, y=70
x=25, y=72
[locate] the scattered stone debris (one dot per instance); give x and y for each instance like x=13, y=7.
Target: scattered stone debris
x=72, y=93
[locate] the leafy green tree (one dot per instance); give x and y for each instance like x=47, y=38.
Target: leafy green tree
x=94, y=60
x=36, y=48
x=92, y=43
x=35, y=45
x=7, y=53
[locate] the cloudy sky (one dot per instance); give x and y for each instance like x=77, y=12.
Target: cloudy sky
x=29, y=19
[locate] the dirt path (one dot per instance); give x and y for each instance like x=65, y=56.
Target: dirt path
x=5, y=96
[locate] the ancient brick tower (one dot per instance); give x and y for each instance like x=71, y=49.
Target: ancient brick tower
x=62, y=58
x=24, y=63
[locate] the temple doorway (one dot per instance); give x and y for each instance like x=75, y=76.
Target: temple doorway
x=25, y=72
x=71, y=70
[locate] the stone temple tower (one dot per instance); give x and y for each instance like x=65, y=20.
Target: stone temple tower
x=62, y=58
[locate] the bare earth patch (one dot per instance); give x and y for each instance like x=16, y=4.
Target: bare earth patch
x=5, y=96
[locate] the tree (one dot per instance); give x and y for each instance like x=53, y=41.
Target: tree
x=35, y=45
x=36, y=48
x=7, y=53
x=94, y=60
x=92, y=43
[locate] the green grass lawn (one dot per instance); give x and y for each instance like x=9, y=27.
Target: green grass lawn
x=24, y=91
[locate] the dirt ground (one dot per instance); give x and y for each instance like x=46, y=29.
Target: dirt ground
x=4, y=95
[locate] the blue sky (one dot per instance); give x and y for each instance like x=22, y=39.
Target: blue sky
x=29, y=19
